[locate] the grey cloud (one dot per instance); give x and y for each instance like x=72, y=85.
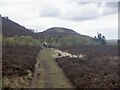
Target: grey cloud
x=113, y=7
x=83, y=3
x=84, y=15
x=88, y=14
x=99, y=4
x=81, y=18
x=49, y=11
x=80, y=2
x=92, y=1
x=109, y=4
x=112, y=4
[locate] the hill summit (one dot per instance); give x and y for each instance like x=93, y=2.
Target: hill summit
x=58, y=36
x=61, y=30
x=57, y=32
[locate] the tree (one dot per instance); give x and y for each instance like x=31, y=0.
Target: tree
x=100, y=39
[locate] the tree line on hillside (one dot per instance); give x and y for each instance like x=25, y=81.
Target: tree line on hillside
x=100, y=39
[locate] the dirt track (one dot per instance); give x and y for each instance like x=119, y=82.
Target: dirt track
x=48, y=74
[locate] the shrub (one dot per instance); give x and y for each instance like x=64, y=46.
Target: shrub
x=21, y=40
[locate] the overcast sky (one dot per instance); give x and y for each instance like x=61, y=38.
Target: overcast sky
x=86, y=17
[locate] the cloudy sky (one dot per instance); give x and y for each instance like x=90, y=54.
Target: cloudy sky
x=86, y=17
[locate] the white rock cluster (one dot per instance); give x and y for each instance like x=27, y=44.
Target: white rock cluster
x=59, y=54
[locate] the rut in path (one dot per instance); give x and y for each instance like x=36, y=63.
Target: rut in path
x=48, y=74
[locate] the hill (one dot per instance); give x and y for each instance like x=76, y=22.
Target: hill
x=58, y=36
x=11, y=29
x=57, y=32
x=112, y=42
x=55, y=36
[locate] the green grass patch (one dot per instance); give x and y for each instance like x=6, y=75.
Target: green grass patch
x=21, y=40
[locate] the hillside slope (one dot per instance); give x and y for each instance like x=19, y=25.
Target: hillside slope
x=57, y=32
x=112, y=42
x=11, y=28
x=63, y=36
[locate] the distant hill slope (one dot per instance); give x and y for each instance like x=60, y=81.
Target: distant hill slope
x=112, y=42
x=57, y=32
x=11, y=28
x=63, y=36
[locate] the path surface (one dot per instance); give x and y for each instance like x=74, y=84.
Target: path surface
x=48, y=74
